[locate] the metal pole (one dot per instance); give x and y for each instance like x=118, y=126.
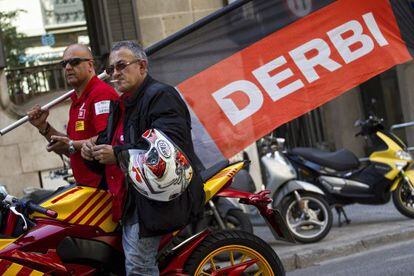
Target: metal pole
x=47, y=106
x=409, y=124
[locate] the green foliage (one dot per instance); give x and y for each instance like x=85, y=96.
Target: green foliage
x=11, y=38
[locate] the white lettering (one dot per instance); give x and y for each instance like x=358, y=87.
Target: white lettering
x=348, y=39
x=307, y=65
x=229, y=108
x=270, y=83
x=374, y=29
x=343, y=45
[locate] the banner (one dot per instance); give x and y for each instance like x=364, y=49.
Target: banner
x=282, y=66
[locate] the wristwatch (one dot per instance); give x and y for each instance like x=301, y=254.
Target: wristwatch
x=72, y=149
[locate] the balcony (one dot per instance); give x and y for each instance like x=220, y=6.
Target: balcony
x=26, y=83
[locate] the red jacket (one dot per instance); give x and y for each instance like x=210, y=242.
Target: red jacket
x=114, y=176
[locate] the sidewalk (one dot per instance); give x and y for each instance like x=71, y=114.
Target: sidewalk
x=341, y=241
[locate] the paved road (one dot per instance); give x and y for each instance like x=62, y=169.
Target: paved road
x=371, y=226
x=358, y=214
x=372, y=213
x=395, y=259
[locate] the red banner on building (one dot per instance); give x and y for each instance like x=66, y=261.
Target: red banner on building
x=294, y=70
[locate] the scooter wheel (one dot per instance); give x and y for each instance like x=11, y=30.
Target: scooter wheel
x=256, y=254
x=312, y=225
x=403, y=199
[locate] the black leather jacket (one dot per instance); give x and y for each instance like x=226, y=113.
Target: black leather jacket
x=157, y=105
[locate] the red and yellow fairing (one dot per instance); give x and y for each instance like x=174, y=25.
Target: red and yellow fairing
x=93, y=207
x=216, y=183
x=83, y=206
x=8, y=268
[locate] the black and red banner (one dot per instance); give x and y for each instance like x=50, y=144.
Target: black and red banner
x=266, y=62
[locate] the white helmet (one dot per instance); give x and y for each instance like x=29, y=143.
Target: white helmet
x=162, y=172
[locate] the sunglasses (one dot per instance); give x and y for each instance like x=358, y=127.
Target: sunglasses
x=72, y=61
x=119, y=66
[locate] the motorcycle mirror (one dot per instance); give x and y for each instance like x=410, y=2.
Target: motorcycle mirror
x=3, y=190
x=281, y=143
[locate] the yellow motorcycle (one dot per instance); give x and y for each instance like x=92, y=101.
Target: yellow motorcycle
x=345, y=180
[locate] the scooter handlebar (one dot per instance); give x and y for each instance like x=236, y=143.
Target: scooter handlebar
x=37, y=208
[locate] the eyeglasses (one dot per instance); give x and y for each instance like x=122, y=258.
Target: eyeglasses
x=119, y=66
x=72, y=61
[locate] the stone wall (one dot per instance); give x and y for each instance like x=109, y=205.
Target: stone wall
x=23, y=152
x=339, y=117
x=405, y=82
x=159, y=19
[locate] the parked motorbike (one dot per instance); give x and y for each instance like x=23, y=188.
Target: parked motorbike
x=225, y=213
x=345, y=180
x=65, y=173
x=302, y=204
x=72, y=233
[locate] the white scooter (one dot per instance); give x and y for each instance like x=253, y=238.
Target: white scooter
x=302, y=204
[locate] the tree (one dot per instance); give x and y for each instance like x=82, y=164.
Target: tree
x=11, y=38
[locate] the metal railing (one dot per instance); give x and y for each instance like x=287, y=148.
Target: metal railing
x=403, y=125
x=28, y=82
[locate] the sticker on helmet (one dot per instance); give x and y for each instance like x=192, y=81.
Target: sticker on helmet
x=164, y=149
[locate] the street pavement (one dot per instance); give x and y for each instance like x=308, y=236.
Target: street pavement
x=394, y=259
x=370, y=227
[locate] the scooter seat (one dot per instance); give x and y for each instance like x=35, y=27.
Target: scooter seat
x=210, y=172
x=340, y=160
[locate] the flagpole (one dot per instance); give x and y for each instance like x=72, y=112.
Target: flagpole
x=47, y=106
x=195, y=26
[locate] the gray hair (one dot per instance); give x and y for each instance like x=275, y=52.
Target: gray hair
x=131, y=45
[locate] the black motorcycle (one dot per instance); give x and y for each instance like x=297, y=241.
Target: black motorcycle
x=345, y=180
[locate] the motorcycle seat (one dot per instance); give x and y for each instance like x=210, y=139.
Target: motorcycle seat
x=210, y=172
x=340, y=160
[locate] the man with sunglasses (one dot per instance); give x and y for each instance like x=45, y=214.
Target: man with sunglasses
x=88, y=112
x=144, y=104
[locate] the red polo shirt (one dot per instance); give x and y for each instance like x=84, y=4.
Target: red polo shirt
x=88, y=116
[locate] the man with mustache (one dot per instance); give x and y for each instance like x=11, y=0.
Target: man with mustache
x=88, y=112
